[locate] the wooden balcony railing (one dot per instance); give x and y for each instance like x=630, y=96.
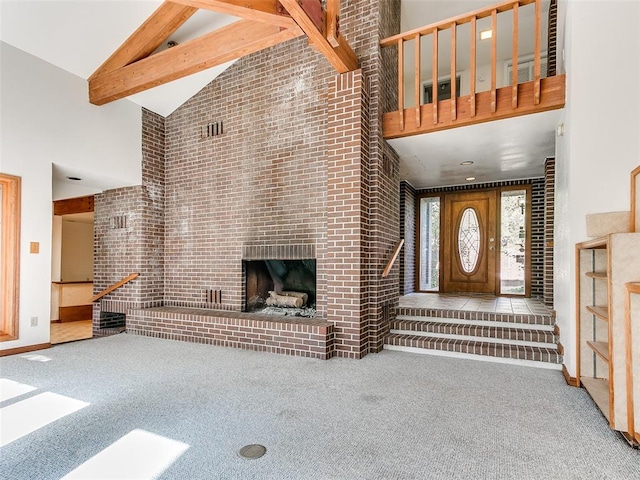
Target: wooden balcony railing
x=538, y=95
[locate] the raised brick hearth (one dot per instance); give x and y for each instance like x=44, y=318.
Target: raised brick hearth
x=305, y=338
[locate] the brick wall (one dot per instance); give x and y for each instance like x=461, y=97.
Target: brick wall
x=537, y=237
x=408, y=225
x=129, y=232
x=549, y=219
x=276, y=177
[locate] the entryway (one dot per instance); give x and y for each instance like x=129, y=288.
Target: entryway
x=475, y=241
x=72, y=270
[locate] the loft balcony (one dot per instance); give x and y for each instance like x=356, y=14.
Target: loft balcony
x=460, y=71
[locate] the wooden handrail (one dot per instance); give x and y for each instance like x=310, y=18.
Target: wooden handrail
x=115, y=286
x=631, y=288
x=441, y=113
x=393, y=258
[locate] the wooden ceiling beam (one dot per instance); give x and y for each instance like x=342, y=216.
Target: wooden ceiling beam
x=266, y=11
x=341, y=57
x=148, y=37
x=228, y=43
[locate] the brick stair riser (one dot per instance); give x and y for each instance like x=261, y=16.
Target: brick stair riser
x=419, y=327
x=476, y=348
x=476, y=323
x=501, y=341
x=527, y=319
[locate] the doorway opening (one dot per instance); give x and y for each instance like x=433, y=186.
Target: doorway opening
x=72, y=270
x=475, y=241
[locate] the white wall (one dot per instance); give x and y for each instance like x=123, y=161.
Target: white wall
x=46, y=118
x=600, y=145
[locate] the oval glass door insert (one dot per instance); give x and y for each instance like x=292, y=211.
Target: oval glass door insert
x=469, y=240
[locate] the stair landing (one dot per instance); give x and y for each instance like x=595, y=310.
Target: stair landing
x=482, y=327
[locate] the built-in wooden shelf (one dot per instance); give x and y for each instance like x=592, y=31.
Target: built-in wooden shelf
x=598, y=389
x=601, y=349
x=596, y=274
x=600, y=242
x=599, y=311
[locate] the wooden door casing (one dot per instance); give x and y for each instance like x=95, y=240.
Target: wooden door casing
x=482, y=278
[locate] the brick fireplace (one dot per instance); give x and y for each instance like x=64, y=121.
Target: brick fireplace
x=300, y=174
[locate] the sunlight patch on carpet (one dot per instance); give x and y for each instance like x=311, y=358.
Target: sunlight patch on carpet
x=31, y=414
x=10, y=389
x=139, y=454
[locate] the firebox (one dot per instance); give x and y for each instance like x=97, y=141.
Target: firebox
x=281, y=287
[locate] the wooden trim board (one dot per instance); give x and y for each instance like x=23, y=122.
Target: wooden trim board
x=18, y=350
x=571, y=381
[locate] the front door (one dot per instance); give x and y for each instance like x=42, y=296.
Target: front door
x=469, y=242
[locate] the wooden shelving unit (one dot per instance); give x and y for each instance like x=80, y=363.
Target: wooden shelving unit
x=603, y=268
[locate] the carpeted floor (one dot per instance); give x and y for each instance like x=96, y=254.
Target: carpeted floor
x=392, y=415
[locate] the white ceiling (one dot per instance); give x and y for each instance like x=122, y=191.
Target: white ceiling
x=510, y=149
x=79, y=35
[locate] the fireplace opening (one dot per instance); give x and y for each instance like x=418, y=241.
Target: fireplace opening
x=281, y=287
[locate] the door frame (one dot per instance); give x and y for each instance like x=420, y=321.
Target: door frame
x=528, y=237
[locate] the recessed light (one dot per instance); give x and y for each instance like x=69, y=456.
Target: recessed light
x=469, y=179
x=75, y=179
x=486, y=34
x=468, y=162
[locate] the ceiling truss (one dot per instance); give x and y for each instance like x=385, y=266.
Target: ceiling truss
x=134, y=67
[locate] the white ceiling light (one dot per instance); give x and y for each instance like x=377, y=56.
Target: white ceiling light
x=486, y=34
x=470, y=179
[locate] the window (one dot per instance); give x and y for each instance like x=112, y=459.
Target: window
x=429, y=217
x=513, y=246
x=444, y=90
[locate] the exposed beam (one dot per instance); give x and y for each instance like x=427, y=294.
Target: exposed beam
x=228, y=43
x=341, y=57
x=259, y=10
x=156, y=29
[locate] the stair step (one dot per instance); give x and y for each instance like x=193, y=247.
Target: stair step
x=499, y=334
x=480, y=323
x=524, y=318
x=472, y=347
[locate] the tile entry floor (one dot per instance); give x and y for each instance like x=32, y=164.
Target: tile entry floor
x=475, y=303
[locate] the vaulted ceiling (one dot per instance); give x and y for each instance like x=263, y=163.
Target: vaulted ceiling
x=122, y=47
x=80, y=36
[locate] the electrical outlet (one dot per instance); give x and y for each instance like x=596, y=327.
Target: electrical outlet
x=34, y=321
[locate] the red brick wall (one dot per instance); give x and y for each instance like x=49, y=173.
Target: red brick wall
x=129, y=232
x=267, y=181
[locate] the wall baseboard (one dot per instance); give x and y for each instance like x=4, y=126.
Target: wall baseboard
x=29, y=348
x=571, y=381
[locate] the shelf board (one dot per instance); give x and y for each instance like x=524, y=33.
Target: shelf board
x=600, y=242
x=599, y=311
x=601, y=349
x=596, y=274
x=598, y=389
